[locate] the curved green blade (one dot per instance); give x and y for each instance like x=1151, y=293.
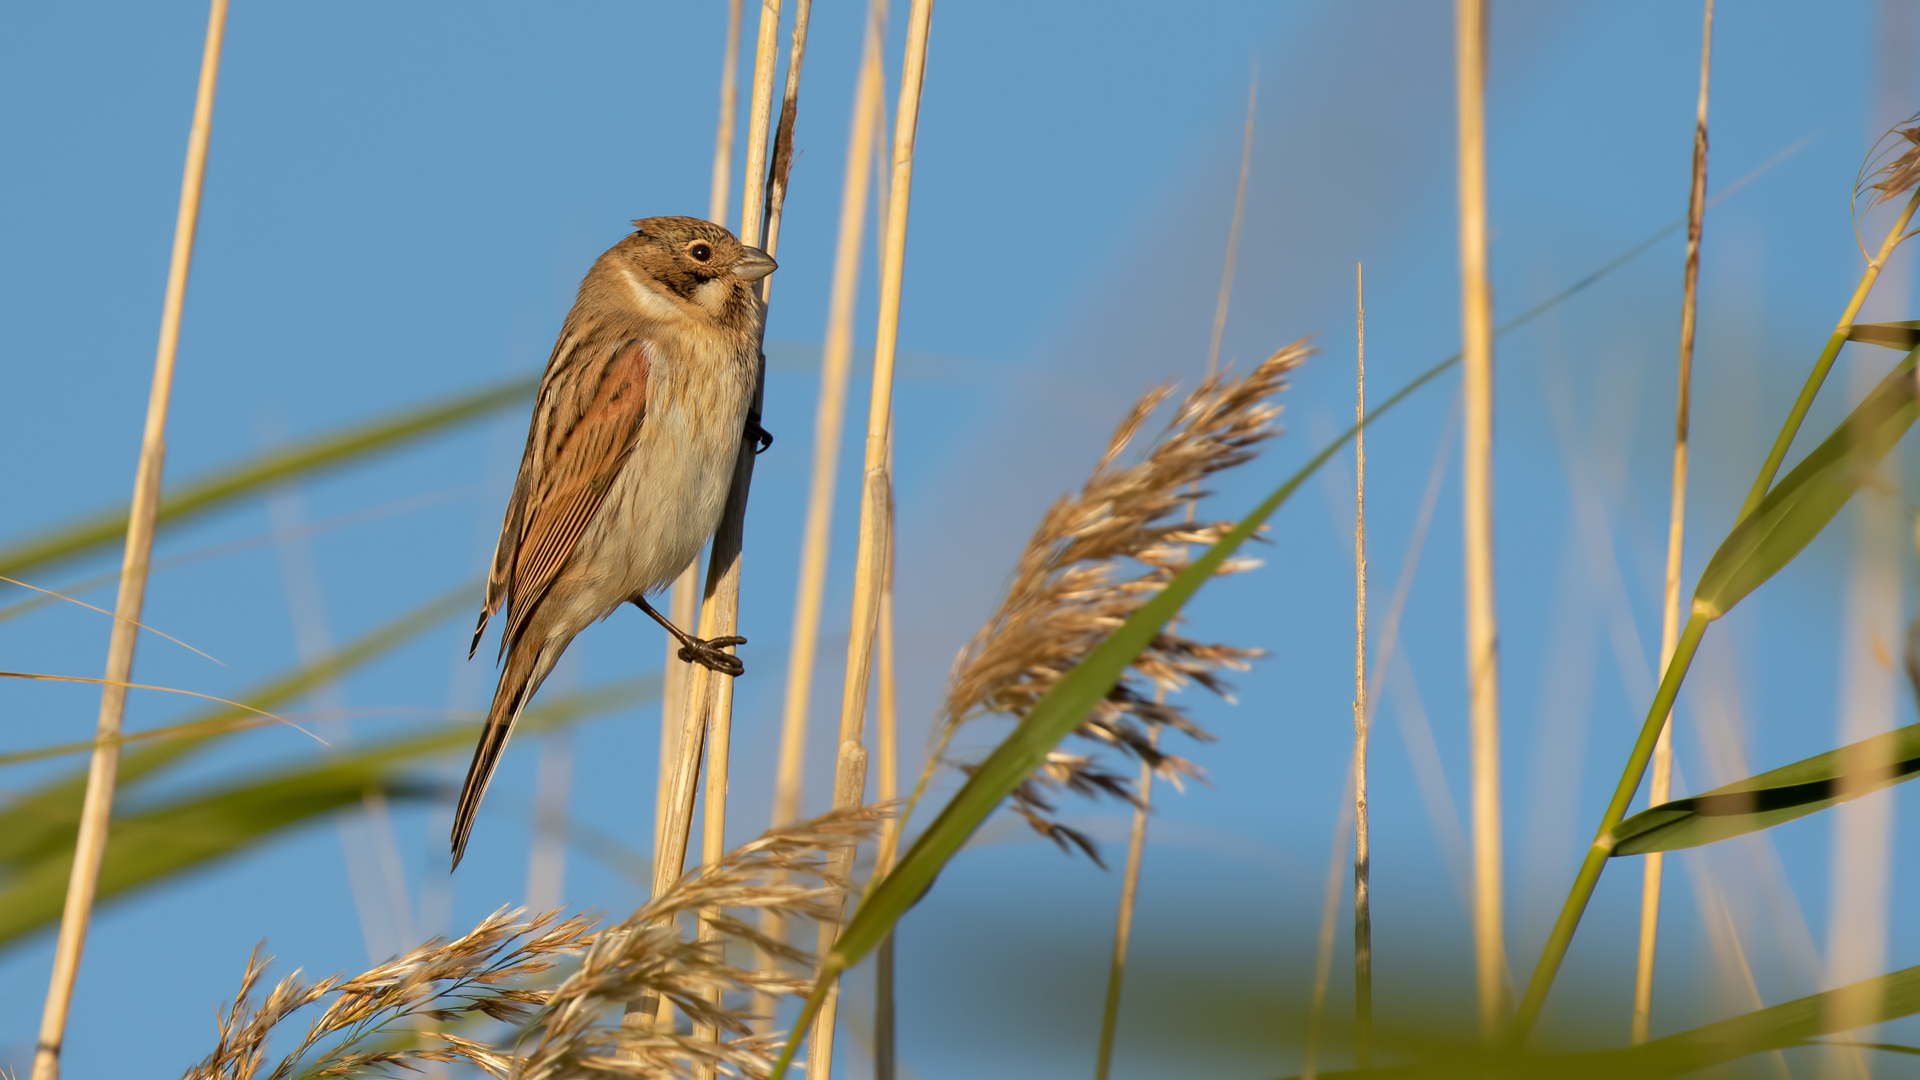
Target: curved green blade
x=204, y=493
x=1894, y=335
x=1772, y=798
x=194, y=830
x=42, y=820
x=1802, y=504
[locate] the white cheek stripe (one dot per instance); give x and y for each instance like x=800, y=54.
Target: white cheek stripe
x=650, y=302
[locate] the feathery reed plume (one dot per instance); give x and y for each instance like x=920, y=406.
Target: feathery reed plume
x=480, y=974
x=562, y=1026
x=96, y=812
x=1661, y=784
x=1071, y=589
x=1903, y=172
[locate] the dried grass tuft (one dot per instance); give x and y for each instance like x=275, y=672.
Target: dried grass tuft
x=1095, y=558
x=387, y=1019
x=1902, y=172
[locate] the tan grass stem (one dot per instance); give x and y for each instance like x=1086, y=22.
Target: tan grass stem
x=829, y=421
x=876, y=494
x=1483, y=659
x=1362, y=852
x=720, y=197
x=1329, y=919
x=1662, y=781
x=1137, y=839
x=710, y=699
x=97, y=810
x=887, y=785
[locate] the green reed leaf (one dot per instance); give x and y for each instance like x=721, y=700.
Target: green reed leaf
x=43, y=819
x=191, y=831
x=326, y=451
x=1801, y=505
x=1771, y=798
x=1894, y=335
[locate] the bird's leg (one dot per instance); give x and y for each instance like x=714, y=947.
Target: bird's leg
x=708, y=654
x=762, y=438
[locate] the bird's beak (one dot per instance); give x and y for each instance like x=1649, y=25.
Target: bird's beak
x=754, y=264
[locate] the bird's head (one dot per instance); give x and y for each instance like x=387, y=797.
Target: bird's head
x=698, y=261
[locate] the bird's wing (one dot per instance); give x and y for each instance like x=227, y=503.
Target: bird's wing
x=592, y=402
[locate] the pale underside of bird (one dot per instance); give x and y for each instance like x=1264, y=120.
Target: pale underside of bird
x=630, y=455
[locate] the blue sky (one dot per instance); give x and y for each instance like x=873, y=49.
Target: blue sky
x=401, y=200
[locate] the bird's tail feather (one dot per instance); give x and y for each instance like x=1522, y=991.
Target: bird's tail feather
x=517, y=683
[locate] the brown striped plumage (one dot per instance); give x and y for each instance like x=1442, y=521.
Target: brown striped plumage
x=629, y=454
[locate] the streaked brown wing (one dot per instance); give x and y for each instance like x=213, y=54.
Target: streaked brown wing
x=592, y=404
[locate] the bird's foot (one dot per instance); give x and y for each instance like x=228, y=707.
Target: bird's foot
x=708, y=655
x=762, y=438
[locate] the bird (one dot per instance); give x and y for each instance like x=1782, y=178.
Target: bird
x=630, y=454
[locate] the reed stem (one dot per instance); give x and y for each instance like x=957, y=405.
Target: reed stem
x=887, y=785
x=684, y=598
x=97, y=808
x=1602, y=847
x=1362, y=850
x=1784, y=441
x=1483, y=660
x=876, y=493
x=1661, y=785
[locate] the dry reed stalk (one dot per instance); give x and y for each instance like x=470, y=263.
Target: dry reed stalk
x=1329, y=917
x=1483, y=661
x=682, y=601
x=1662, y=781
x=887, y=783
x=387, y=1018
x=1143, y=789
x=709, y=701
x=876, y=496
x=829, y=418
x=97, y=809
x=1362, y=852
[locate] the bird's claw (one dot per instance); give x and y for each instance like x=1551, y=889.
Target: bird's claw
x=708, y=655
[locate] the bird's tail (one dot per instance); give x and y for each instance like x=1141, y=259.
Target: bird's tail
x=518, y=681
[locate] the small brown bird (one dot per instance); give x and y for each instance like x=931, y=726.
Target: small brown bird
x=629, y=458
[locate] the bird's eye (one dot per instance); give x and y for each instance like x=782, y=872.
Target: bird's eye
x=700, y=252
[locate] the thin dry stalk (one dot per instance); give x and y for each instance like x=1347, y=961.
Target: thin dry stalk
x=97, y=809
x=709, y=698
x=1362, y=853
x=1483, y=661
x=829, y=419
x=1137, y=839
x=1329, y=918
x=685, y=595
x=887, y=782
x=876, y=495
x=1661, y=786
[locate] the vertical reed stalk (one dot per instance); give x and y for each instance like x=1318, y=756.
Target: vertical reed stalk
x=1329, y=918
x=97, y=810
x=685, y=595
x=709, y=700
x=1483, y=660
x=887, y=738
x=829, y=420
x=875, y=497
x=1137, y=840
x=760, y=226
x=1362, y=852
x=1661, y=786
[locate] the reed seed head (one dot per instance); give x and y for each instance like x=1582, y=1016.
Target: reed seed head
x=1095, y=558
